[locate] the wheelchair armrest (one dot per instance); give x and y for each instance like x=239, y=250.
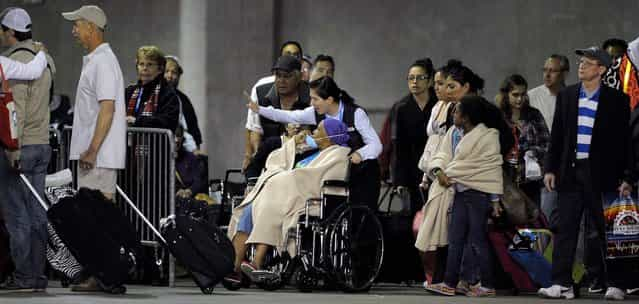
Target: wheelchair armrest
x=307, y=208
x=335, y=183
x=310, y=201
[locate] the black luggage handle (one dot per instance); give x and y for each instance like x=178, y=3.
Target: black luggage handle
x=128, y=200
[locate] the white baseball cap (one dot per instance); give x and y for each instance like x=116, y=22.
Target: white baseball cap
x=91, y=13
x=17, y=19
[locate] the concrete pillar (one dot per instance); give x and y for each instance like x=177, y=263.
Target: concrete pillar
x=192, y=53
x=240, y=38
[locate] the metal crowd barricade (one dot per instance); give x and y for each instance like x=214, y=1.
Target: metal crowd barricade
x=148, y=179
x=58, y=151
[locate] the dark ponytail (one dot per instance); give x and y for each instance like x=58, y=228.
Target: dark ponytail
x=326, y=87
x=425, y=64
x=464, y=75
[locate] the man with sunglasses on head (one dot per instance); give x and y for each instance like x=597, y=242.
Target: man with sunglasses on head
x=587, y=157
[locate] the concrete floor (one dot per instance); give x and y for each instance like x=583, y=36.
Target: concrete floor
x=187, y=294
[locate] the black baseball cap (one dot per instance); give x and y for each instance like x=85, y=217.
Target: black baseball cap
x=287, y=64
x=596, y=53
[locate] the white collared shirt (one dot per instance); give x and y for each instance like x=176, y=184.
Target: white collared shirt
x=253, y=119
x=101, y=79
x=372, y=144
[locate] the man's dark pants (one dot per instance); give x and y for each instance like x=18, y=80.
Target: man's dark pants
x=574, y=202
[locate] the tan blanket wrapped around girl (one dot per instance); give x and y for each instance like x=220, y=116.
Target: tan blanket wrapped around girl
x=476, y=165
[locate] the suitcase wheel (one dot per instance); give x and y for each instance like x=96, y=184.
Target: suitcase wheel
x=271, y=285
x=207, y=290
x=117, y=290
x=305, y=281
x=231, y=286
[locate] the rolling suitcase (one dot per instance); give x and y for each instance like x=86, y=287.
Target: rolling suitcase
x=98, y=235
x=198, y=244
x=58, y=254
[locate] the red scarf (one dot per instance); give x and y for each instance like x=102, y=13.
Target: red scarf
x=149, y=106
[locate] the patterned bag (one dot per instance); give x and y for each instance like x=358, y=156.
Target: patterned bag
x=58, y=254
x=621, y=215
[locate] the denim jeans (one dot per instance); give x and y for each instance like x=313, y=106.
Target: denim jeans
x=26, y=220
x=468, y=227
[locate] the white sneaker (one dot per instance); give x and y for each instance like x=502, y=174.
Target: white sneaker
x=425, y=284
x=632, y=290
x=556, y=292
x=614, y=293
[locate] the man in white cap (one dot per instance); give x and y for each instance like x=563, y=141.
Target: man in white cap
x=98, y=139
x=26, y=220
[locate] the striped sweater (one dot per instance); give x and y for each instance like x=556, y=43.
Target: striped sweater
x=586, y=121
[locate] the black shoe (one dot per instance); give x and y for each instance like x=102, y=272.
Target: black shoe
x=596, y=287
x=11, y=285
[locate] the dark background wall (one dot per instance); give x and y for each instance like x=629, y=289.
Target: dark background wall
x=373, y=43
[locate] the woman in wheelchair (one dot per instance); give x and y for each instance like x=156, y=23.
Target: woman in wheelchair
x=330, y=101
x=278, y=198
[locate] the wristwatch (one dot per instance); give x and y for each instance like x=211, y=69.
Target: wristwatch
x=436, y=171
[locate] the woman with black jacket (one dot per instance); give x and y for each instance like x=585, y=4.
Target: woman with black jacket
x=151, y=101
x=410, y=136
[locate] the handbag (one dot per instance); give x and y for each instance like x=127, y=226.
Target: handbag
x=8, y=117
x=518, y=207
x=621, y=216
x=401, y=259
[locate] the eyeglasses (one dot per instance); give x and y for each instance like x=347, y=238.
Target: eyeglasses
x=545, y=70
x=586, y=63
x=142, y=65
x=416, y=77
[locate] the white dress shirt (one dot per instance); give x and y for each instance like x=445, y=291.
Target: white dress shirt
x=372, y=145
x=253, y=119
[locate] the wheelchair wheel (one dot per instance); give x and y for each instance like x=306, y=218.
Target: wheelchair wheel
x=278, y=263
x=304, y=280
x=271, y=285
x=356, y=248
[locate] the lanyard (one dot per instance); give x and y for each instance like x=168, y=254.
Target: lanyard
x=139, y=101
x=340, y=113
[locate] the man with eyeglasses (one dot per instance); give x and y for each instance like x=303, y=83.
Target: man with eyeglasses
x=588, y=156
x=544, y=97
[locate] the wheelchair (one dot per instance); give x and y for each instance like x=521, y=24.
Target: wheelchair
x=341, y=243
x=336, y=244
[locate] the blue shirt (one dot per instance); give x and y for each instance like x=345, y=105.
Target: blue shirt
x=587, y=110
